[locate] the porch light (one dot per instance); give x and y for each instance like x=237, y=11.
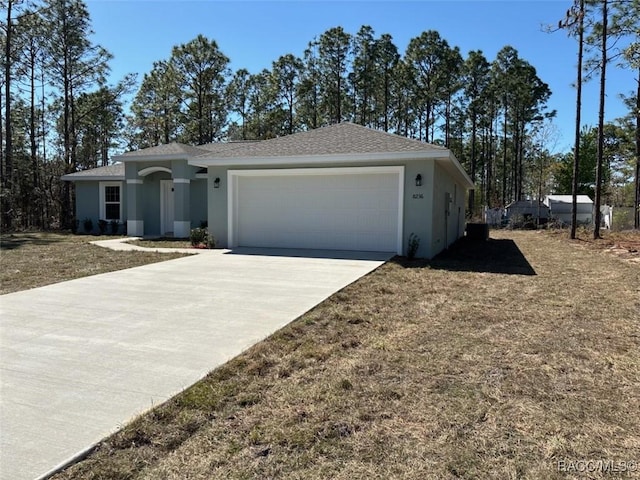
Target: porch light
x=418, y=180
x=216, y=183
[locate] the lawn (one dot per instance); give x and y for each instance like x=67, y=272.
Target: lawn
x=36, y=259
x=516, y=358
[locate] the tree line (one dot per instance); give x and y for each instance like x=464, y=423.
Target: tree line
x=61, y=115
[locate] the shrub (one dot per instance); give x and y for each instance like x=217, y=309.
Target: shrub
x=87, y=223
x=114, y=225
x=198, y=236
x=201, y=238
x=102, y=226
x=414, y=243
x=211, y=241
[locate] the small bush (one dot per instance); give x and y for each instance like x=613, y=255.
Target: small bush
x=414, y=243
x=201, y=238
x=87, y=223
x=114, y=225
x=198, y=236
x=102, y=226
x=211, y=241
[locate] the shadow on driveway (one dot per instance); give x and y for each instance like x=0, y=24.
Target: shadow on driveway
x=492, y=256
x=310, y=253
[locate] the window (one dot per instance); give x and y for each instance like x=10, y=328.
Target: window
x=110, y=201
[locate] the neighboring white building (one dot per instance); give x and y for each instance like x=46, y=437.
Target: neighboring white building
x=528, y=210
x=560, y=208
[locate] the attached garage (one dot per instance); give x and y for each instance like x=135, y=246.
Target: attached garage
x=338, y=187
x=349, y=208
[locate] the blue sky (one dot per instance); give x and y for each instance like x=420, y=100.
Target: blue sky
x=255, y=33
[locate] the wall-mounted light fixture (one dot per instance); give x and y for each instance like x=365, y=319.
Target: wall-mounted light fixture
x=418, y=180
x=216, y=183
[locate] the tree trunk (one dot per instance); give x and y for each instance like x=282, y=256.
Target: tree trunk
x=504, y=160
x=576, y=148
x=600, y=158
x=34, y=194
x=8, y=157
x=636, y=222
x=473, y=161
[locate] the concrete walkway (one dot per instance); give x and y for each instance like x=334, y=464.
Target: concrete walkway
x=123, y=245
x=81, y=358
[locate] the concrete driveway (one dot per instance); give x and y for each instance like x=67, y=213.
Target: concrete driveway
x=81, y=358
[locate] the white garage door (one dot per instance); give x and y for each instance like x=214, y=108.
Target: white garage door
x=337, y=209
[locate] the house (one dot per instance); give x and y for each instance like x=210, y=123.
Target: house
x=560, y=207
x=528, y=210
x=341, y=187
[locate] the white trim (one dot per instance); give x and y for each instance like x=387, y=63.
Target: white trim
x=134, y=181
x=343, y=158
x=135, y=228
x=101, y=194
x=181, y=229
x=181, y=180
x=149, y=170
x=232, y=191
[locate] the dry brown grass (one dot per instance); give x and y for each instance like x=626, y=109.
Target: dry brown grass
x=36, y=259
x=496, y=361
x=625, y=244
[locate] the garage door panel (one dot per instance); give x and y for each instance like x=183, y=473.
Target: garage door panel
x=353, y=211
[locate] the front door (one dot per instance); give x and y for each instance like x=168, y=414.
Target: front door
x=166, y=207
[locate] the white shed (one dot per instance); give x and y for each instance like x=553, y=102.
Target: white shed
x=560, y=208
x=528, y=210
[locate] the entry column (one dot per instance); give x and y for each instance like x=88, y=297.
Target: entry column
x=135, y=222
x=181, y=173
x=182, y=211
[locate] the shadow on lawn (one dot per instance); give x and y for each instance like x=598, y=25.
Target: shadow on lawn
x=11, y=241
x=492, y=256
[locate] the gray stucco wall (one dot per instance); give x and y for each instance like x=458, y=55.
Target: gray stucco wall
x=198, y=202
x=419, y=208
x=88, y=204
x=194, y=209
x=151, y=202
x=418, y=205
x=448, y=223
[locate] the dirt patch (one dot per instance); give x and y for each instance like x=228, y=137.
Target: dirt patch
x=625, y=245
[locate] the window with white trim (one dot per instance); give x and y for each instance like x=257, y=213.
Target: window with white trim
x=111, y=201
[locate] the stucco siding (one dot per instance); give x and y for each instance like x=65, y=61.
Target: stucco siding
x=418, y=205
x=87, y=204
x=448, y=220
x=151, y=202
x=198, y=202
x=418, y=202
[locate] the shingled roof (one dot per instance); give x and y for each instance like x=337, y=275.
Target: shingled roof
x=342, y=138
x=110, y=172
x=168, y=149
